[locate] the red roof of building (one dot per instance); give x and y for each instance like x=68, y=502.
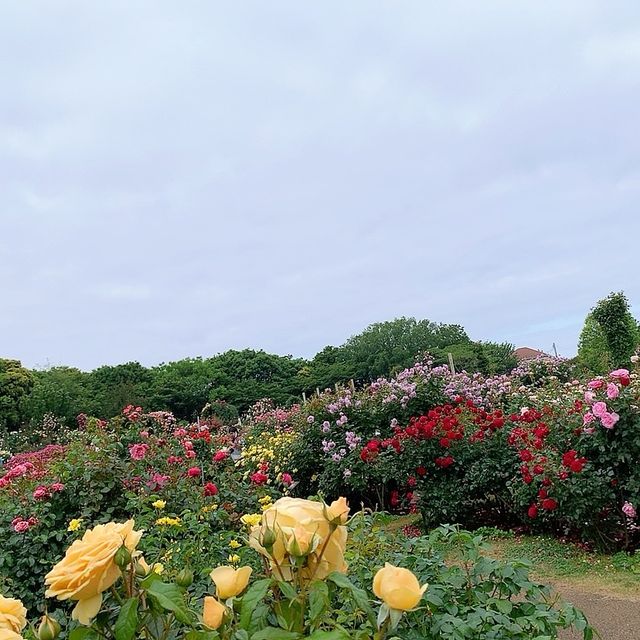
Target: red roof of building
x=527, y=353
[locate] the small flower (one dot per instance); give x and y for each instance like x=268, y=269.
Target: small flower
x=158, y=568
x=233, y=559
x=234, y=544
x=74, y=524
x=629, y=510
x=251, y=519
x=159, y=504
x=168, y=522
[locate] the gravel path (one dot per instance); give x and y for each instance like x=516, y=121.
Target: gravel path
x=615, y=617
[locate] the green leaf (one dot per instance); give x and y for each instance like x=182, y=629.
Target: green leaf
x=504, y=606
x=334, y=634
x=83, y=633
x=170, y=598
x=275, y=633
x=359, y=595
x=318, y=599
x=250, y=600
x=202, y=635
x=127, y=622
x=287, y=590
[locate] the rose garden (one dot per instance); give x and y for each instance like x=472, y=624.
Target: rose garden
x=142, y=526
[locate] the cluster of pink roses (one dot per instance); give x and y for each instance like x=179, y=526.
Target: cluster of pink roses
x=598, y=409
x=42, y=492
x=21, y=525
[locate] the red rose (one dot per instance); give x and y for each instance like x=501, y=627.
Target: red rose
x=210, y=489
x=259, y=478
x=444, y=462
x=421, y=471
x=194, y=472
x=533, y=511
x=538, y=469
x=549, y=504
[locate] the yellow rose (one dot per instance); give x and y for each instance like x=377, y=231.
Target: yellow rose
x=88, y=568
x=398, y=588
x=7, y=634
x=213, y=612
x=280, y=522
x=13, y=615
x=230, y=582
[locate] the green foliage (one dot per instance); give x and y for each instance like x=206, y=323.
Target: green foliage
x=593, y=353
x=610, y=335
x=470, y=595
x=15, y=384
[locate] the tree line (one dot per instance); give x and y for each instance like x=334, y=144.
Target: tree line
x=230, y=382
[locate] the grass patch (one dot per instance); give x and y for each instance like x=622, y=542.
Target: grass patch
x=565, y=563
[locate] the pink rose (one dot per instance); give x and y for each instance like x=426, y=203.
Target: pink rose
x=620, y=373
x=629, y=510
x=609, y=420
x=588, y=417
x=589, y=430
x=21, y=526
x=599, y=409
x=138, y=451
x=286, y=479
x=194, y=472
x=595, y=384
x=41, y=492
x=221, y=455
x=612, y=391
x=190, y=454
x=57, y=486
x=589, y=396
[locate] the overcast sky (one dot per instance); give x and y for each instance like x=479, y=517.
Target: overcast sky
x=181, y=178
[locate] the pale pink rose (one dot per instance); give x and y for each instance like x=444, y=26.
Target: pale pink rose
x=620, y=373
x=599, y=409
x=629, y=510
x=57, y=486
x=609, y=420
x=589, y=396
x=190, y=454
x=21, y=526
x=612, y=391
x=595, y=384
x=588, y=417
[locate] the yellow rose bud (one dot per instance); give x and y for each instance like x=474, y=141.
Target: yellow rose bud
x=230, y=582
x=142, y=568
x=89, y=568
x=398, y=588
x=13, y=615
x=49, y=628
x=122, y=557
x=213, y=612
x=184, y=578
x=337, y=512
x=301, y=542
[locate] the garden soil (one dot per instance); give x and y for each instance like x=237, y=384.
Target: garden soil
x=613, y=615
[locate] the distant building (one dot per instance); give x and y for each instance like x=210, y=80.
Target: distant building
x=527, y=353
